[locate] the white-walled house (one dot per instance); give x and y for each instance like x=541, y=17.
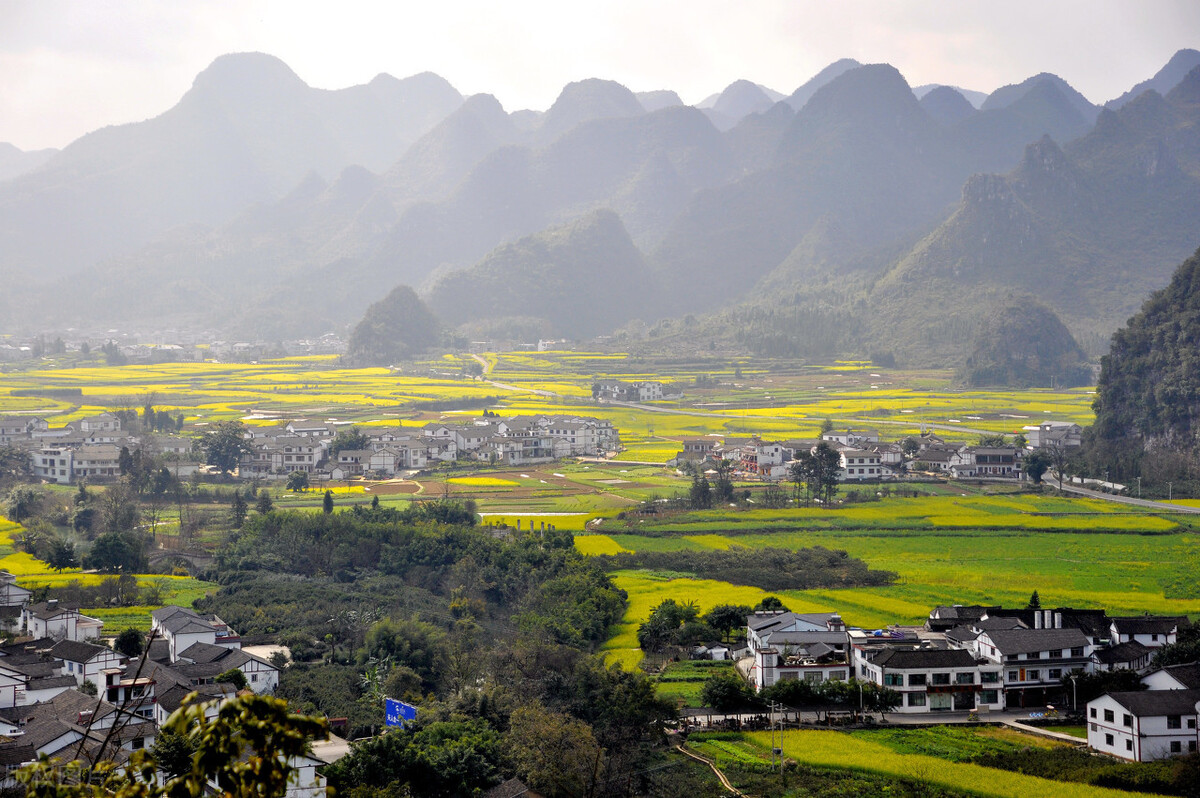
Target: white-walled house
x=182, y=628
x=1174, y=677
x=86, y=662
x=1034, y=661
x=202, y=663
x=51, y=619
x=932, y=679
x=1144, y=726
x=1152, y=631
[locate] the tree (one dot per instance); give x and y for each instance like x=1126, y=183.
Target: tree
x=264, y=504
x=224, y=446
x=349, y=439
x=1035, y=601
x=726, y=692
x=297, y=481
x=725, y=618
x=327, y=502
x=770, y=604
x=233, y=676
x=173, y=752
x=238, y=508
x=555, y=754
x=129, y=642
x=23, y=502
x=61, y=554
x=1060, y=457
x=1037, y=463
x=700, y=494
x=723, y=484
x=119, y=512
x=115, y=552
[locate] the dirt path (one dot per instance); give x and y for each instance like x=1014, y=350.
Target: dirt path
x=720, y=776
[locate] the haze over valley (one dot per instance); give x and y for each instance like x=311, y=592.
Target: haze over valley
x=852, y=214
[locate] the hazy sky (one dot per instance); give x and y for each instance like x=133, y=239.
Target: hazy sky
x=71, y=66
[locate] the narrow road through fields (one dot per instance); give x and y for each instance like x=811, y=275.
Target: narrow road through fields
x=1095, y=494
x=487, y=369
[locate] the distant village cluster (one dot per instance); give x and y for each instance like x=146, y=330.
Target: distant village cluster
x=170, y=346
x=90, y=448
x=63, y=694
x=981, y=659
x=301, y=446
x=864, y=457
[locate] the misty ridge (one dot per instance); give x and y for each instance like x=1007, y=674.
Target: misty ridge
x=856, y=214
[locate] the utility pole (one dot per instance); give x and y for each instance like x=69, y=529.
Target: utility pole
x=1139, y=479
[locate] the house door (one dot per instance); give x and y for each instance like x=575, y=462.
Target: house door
x=964, y=701
x=940, y=702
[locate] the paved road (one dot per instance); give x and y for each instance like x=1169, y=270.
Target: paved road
x=1095, y=494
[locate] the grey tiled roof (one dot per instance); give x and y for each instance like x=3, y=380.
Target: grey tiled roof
x=1027, y=641
x=1151, y=703
x=902, y=659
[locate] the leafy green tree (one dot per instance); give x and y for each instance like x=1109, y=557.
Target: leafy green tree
x=555, y=754
x=726, y=618
x=173, y=752
x=440, y=758
x=233, y=676
x=727, y=692
x=1037, y=463
x=129, y=642
x=14, y=465
x=114, y=552
x=349, y=439
x=770, y=604
x=264, y=504
x=700, y=494
x=238, y=509
x=1035, y=601
x=61, y=554
x=327, y=502
x=224, y=445
x=23, y=502
x=297, y=481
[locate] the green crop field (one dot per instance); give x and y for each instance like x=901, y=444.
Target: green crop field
x=33, y=573
x=1077, y=553
x=832, y=749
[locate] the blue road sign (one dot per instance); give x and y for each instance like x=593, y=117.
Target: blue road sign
x=397, y=712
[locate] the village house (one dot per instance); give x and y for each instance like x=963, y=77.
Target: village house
x=14, y=429
x=203, y=662
x=1121, y=657
x=1144, y=726
x=1050, y=434
x=1174, y=677
x=182, y=628
x=51, y=619
x=933, y=679
x=859, y=464
x=861, y=438
x=1034, y=661
x=86, y=662
x=1152, y=631
x=621, y=391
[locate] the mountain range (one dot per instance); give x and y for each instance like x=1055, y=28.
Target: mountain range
x=261, y=207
